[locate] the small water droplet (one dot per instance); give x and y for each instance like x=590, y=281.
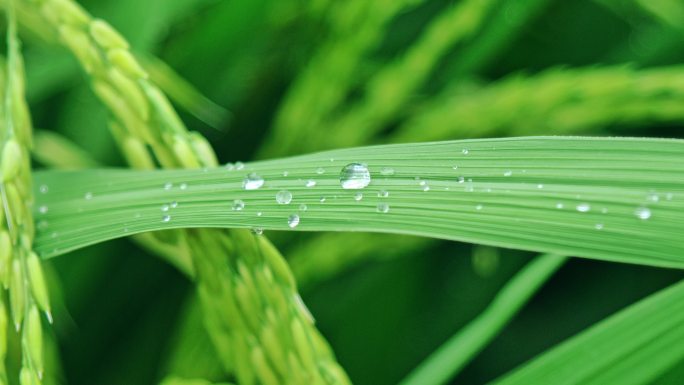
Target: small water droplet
x=310, y=183
x=478, y=207
x=165, y=208
x=322, y=199
x=320, y=171
x=508, y=173
x=88, y=196
x=293, y=221
x=583, y=207
x=252, y=182
x=238, y=205
x=643, y=212
x=461, y=179
x=358, y=196
x=652, y=198
x=540, y=186
x=303, y=207
x=284, y=197
x=286, y=173
x=598, y=226
x=355, y=176
x=229, y=166
x=455, y=167
x=239, y=165
x=259, y=213
x=559, y=205
x=173, y=204
x=383, y=208
x=43, y=209
x=383, y=194
x=183, y=186
x=166, y=218
x=387, y=171
x=257, y=230
x=44, y=189
x=422, y=183
x=426, y=188
x=465, y=151
x=168, y=186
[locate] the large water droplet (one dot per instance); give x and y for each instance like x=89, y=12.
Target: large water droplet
x=252, y=182
x=284, y=197
x=238, y=205
x=643, y=212
x=583, y=207
x=355, y=176
x=383, y=208
x=293, y=221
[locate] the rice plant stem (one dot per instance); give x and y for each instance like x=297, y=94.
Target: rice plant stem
x=445, y=362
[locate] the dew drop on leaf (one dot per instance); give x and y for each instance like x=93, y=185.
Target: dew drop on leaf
x=358, y=196
x=508, y=173
x=88, y=196
x=168, y=186
x=43, y=189
x=165, y=208
x=238, y=205
x=643, y=213
x=183, y=186
x=303, y=207
x=383, y=194
x=293, y=221
x=310, y=183
x=583, y=207
x=383, y=208
x=355, y=176
x=252, y=182
x=166, y=218
x=284, y=197
x=387, y=171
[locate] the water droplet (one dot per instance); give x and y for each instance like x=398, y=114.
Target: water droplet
x=540, y=186
x=358, y=196
x=257, y=230
x=652, y=198
x=293, y=221
x=387, y=171
x=173, y=204
x=478, y=207
x=43, y=189
x=88, y=196
x=383, y=194
x=238, y=205
x=310, y=183
x=166, y=218
x=422, y=183
x=239, y=165
x=183, y=186
x=284, y=197
x=229, y=166
x=598, y=226
x=508, y=173
x=322, y=199
x=286, y=173
x=461, y=179
x=465, y=151
x=426, y=188
x=383, y=208
x=559, y=205
x=252, y=182
x=355, y=176
x=320, y=171
x=43, y=209
x=165, y=208
x=259, y=213
x=455, y=167
x=303, y=207
x=168, y=186
x=583, y=207
x=643, y=212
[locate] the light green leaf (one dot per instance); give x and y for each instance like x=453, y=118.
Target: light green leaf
x=618, y=199
x=634, y=346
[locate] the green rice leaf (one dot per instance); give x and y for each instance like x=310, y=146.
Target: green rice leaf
x=618, y=199
x=634, y=346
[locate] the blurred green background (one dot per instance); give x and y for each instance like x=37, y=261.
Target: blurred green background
x=297, y=76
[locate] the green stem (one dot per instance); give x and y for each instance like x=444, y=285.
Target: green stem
x=460, y=349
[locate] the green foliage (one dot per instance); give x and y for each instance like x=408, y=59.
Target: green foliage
x=300, y=77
